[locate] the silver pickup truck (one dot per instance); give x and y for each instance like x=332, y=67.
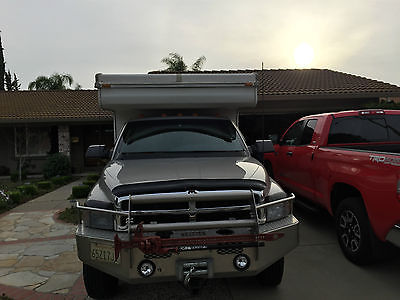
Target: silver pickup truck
x=182, y=199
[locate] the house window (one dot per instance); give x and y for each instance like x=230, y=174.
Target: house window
x=32, y=141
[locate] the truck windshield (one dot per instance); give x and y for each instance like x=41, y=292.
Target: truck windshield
x=179, y=135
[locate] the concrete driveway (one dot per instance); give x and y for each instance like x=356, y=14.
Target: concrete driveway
x=38, y=253
x=38, y=261
x=314, y=270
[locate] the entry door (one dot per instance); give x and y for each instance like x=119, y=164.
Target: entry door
x=295, y=158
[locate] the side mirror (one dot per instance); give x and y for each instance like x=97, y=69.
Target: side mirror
x=97, y=151
x=274, y=138
x=264, y=146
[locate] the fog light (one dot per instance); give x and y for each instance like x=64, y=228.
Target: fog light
x=241, y=262
x=146, y=268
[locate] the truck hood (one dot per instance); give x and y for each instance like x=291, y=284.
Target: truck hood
x=121, y=172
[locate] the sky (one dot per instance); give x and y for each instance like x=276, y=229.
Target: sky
x=85, y=37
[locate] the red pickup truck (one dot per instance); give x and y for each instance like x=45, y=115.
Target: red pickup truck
x=349, y=164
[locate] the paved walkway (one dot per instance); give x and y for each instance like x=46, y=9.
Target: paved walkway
x=38, y=253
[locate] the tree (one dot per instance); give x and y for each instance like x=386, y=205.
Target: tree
x=6, y=80
x=175, y=63
x=54, y=82
x=2, y=67
x=11, y=84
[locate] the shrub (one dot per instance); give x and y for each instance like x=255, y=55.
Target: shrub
x=59, y=180
x=70, y=215
x=15, y=197
x=56, y=164
x=67, y=178
x=44, y=185
x=90, y=183
x=28, y=189
x=15, y=176
x=80, y=191
x=93, y=177
x=3, y=204
x=3, y=200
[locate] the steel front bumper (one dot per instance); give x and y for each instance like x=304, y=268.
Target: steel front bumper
x=169, y=267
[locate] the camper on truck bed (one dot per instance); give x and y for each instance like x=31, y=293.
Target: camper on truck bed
x=181, y=197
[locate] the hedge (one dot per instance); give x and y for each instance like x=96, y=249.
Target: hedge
x=15, y=176
x=93, y=177
x=44, y=185
x=90, y=183
x=28, y=189
x=80, y=191
x=15, y=197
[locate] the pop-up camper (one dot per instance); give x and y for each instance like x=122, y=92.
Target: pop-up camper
x=182, y=198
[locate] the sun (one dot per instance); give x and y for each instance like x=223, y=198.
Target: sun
x=303, y=55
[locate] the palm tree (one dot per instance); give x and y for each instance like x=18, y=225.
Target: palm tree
x=175, y=63
x=54, y=82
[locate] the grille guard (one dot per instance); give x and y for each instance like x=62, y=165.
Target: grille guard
x=154, y=244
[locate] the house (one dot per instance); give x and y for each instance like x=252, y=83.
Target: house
x=34, y=124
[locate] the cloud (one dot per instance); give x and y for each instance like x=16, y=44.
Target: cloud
x=86, y=36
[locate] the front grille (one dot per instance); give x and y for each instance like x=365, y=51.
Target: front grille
x=193, y=206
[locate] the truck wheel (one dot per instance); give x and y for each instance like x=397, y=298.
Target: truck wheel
x=354, y=232
x=272, y=276
x=99, y=285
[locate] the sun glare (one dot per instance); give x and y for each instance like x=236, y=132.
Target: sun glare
x=303, y=55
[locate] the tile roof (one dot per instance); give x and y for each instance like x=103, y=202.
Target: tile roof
x=58, y=106
x=82, y=105
x=314, y=82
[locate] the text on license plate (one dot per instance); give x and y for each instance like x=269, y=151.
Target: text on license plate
x=102, y=253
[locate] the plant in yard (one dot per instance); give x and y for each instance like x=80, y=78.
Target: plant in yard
x=80, y=191
x=93, y=177
x=44, y=185
x=90, y=183
x=70, y=215
x=28, y=189
x=15, y=176
x=4, y=199
x=15, y=197
x=56, y=164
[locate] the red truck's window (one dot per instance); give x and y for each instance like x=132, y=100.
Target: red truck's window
x=293, y=136
x=308, y=132
x=358, y=129
x=300, y=133
x=393, y=122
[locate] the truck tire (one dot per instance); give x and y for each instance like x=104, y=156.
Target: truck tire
x=354, y=232
x=272, y=276
x=99, y=285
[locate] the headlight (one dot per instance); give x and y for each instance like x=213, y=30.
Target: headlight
x=273, y=204
x=99, y=220
x=278, y=211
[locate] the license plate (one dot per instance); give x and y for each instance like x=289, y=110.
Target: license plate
x=103, y=253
